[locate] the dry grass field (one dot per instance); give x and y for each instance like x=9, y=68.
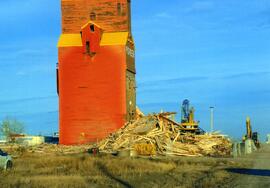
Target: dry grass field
x=84, y=170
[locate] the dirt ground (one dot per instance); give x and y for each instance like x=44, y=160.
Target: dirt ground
x=84, y=170
x=258, y=175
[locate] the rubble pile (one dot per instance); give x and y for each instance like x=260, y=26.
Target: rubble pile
x=17, y=149
x=157, y=134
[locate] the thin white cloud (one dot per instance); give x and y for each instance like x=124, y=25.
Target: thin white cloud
x=40, y=68
x=14, y=8
x=201, y=6
x=23, y=10
x=20, y=73
x=163, y=15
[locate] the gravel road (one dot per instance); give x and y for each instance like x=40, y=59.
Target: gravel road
x=258, y=175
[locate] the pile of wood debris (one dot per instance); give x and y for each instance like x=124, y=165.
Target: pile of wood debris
x=16, y=149
x=157, y=134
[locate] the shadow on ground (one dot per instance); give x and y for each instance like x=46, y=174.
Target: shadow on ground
x=105, y=171
x=255, y=172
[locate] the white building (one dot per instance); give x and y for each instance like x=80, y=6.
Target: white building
x=3, y=140
x=268, y=139
x=30, y=140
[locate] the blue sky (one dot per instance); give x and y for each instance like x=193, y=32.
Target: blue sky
x=215, y=53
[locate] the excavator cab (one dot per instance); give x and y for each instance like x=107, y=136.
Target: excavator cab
x=255, y=138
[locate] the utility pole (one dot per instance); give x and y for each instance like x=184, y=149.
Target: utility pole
x=211, y=119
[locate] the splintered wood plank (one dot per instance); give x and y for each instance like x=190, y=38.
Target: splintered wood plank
x=178, y=134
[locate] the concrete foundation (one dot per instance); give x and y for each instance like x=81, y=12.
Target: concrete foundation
x=249, y=146
x=239, y=148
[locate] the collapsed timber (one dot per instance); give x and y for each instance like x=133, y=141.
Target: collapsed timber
x=157, y=134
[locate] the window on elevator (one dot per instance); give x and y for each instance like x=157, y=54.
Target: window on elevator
x=92, y=28
x=119, y=9
x=93, y=16
x=87, y=47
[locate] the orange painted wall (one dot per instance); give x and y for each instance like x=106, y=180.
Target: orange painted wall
x=92, y=93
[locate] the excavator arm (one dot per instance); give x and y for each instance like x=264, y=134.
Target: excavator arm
x=249, y=130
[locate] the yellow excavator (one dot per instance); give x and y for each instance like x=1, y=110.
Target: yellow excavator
x=251, y=135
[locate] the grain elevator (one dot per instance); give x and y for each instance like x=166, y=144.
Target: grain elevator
x=96, y=69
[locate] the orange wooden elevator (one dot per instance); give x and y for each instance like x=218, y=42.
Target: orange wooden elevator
x=96, y=70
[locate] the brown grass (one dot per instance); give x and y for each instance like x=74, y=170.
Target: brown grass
x=83, y=170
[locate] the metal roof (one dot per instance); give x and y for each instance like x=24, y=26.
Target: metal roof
x=107, y=39
x=68, y=40
x=116, y=38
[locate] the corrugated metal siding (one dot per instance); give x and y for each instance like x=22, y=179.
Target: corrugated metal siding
x=92, y=94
